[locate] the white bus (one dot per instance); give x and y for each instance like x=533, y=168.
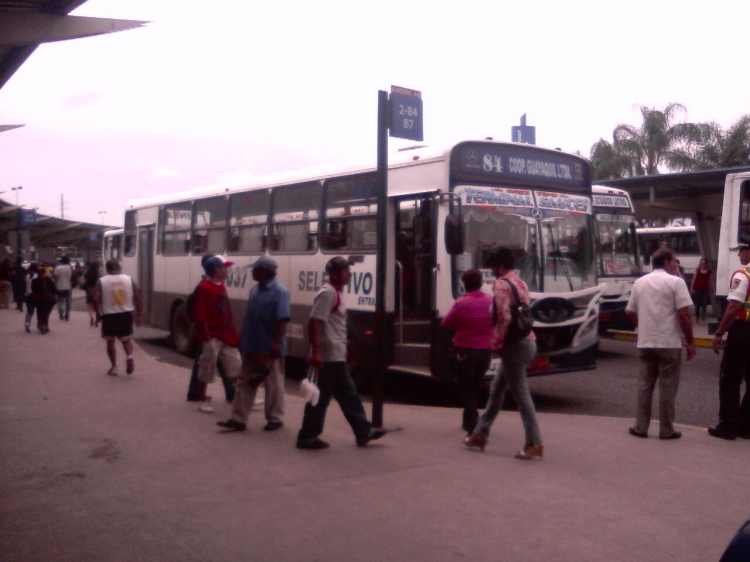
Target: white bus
x=446, y=213
x=619, y=264
x=735, y=229
x=683, y=240
x=112, y=245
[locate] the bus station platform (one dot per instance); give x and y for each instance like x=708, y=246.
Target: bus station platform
x=99, y=468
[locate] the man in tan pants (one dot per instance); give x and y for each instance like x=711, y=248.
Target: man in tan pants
x=659, y=304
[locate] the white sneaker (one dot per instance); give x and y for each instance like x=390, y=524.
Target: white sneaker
x=206, y=406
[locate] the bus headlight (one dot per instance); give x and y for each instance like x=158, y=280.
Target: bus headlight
x=590, y=327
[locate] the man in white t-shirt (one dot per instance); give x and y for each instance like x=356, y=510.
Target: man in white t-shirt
x=327, y=333
x=660, y=305
x=116, y=299
x=63, y=276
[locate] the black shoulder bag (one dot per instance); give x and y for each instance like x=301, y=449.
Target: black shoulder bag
x=521, y=320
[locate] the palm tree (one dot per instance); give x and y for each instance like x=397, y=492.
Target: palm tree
x=723, y=149
x=658, y=141
x=638, y=151
x=608, y=163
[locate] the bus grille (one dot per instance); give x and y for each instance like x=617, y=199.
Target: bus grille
x=555, y=339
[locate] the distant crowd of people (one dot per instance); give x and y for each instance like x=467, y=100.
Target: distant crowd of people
x=41, y=286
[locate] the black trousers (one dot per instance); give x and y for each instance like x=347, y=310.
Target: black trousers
x=734, y=416
x=469, y=366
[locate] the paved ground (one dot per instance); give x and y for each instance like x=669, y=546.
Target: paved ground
x=123, y=469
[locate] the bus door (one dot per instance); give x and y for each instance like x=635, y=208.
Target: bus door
x=146, y=271
x=415, y=253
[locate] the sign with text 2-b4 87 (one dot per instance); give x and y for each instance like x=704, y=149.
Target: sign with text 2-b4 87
x=406, y=114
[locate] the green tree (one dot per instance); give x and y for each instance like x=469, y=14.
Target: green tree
x=636, y=151
x=720, y=148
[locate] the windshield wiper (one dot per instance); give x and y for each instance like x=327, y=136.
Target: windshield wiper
x=555, y=253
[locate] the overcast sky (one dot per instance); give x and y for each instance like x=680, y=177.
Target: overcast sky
x=220, y=90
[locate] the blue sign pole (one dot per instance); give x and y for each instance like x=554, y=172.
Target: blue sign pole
x=380, y=269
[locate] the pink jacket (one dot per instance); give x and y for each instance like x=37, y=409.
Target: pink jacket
x=470, y=318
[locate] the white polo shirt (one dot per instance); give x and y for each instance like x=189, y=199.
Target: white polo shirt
x=656, y=298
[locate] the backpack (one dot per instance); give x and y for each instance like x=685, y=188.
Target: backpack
x=521, y=320
x=190, y=302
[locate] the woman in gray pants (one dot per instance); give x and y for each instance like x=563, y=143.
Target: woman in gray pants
x=516, y=354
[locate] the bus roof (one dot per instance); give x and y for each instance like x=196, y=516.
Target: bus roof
x=606, y=190
x=419, y=156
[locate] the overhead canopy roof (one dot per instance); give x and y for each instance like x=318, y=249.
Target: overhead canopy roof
x=664, y=196
x=25, y=24
x=49, y=231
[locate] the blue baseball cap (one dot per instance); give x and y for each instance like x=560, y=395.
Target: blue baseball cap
x=216, y=261
x=264, y=262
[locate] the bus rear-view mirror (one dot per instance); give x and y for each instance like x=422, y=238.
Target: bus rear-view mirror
x=454, y=235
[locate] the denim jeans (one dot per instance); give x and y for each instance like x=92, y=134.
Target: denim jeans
x=335, y=381
x=512, y=375
x=64, y=301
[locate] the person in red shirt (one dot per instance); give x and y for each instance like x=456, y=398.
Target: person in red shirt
x=700, y=290
x=214, y=328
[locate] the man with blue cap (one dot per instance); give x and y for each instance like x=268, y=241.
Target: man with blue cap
x=263, y=346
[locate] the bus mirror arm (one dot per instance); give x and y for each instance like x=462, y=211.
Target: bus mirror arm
x=454, y=227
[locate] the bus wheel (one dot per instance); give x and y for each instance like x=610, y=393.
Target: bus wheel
x=181, y=331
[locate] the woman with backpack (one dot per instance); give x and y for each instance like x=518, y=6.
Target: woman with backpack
x=515, y=342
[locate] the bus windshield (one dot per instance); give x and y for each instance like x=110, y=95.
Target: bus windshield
x=514, y=218
x=568, y=254
x=617, y=245
x=486, y=227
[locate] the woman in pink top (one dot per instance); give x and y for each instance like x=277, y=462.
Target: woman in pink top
x=472, y=353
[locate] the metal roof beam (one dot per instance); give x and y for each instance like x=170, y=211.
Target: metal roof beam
x=19, y=28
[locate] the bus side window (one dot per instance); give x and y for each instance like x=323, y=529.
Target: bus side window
x=177, y=219
x=130, y=233
x=276, y=237
x=350, y=211
x=744, y=223
x=295, y=211
x=335, y=234
x=248, y=222
x=209, y=226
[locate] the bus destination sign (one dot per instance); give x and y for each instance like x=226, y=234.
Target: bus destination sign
x=406, y=114
x=518, y=163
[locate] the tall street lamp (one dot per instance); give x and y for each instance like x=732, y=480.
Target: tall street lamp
x=16, y=189
x=101, y=218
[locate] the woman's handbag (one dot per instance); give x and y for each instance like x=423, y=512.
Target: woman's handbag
x=521, y=320
x=309, y=386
